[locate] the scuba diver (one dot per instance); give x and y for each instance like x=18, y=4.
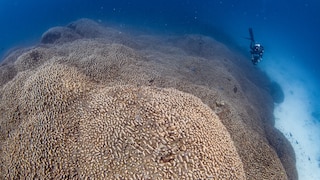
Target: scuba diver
x=256, y=49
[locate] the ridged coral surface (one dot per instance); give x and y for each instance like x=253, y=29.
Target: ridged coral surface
x=126, y=132
x=104, y=104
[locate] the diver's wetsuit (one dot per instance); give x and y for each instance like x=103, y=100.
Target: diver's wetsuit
x=256, y=49
x=256, y=53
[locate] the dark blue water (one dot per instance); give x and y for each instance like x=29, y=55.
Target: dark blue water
x=288, y=29
x=281, y=25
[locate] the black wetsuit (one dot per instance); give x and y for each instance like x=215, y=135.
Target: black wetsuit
x=256, y=49
x=256, y=52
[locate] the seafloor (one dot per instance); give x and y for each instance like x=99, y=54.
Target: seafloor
x=91, y=101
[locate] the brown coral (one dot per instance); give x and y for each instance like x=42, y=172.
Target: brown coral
x=88, y=71
x=155, y=133
x=116, y=132
x=57, y=35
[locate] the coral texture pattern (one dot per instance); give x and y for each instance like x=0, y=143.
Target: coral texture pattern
x=91, y=101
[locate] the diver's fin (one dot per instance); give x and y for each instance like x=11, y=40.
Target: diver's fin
x=251, y=34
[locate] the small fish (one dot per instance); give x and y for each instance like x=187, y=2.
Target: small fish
x=235, y=89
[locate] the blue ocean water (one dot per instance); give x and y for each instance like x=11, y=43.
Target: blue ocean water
x=289, y=31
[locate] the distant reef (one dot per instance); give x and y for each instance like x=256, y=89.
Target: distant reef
x=95, y=101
